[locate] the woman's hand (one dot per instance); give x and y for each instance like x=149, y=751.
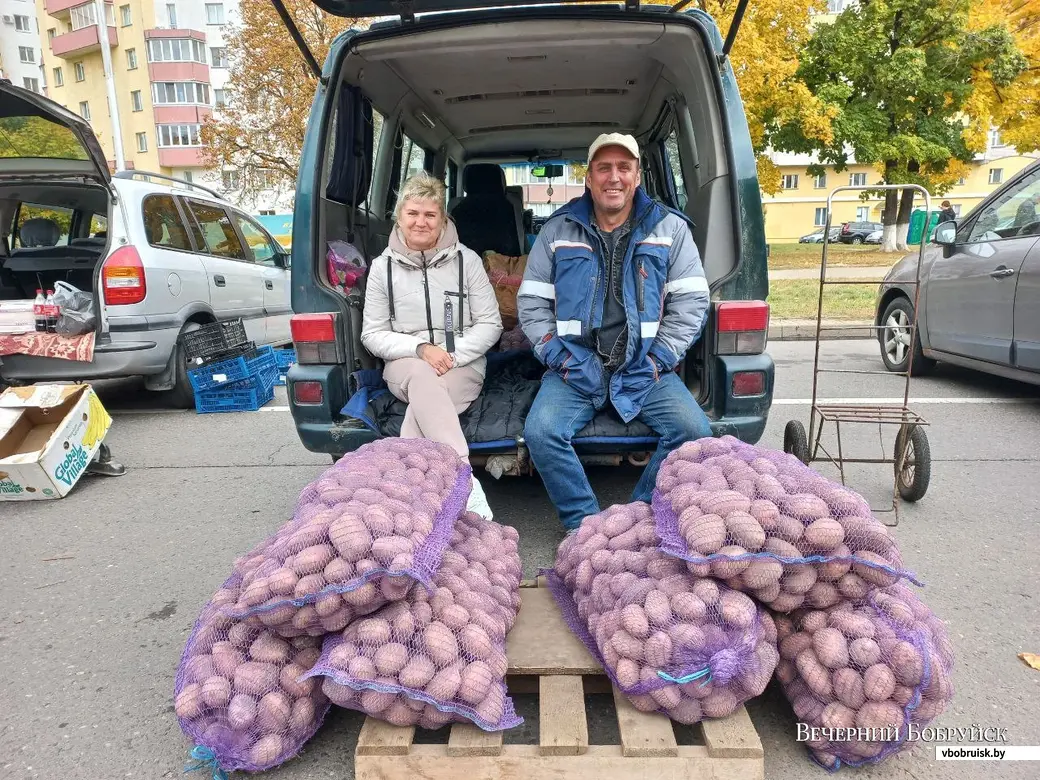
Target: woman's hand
x=436, y=357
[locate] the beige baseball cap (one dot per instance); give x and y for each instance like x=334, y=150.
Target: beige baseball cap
x=627, y=142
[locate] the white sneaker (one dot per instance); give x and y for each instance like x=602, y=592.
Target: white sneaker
x=478, y=501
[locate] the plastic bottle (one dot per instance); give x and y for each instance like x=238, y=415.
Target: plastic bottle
x=38, y=312
x=52, y=313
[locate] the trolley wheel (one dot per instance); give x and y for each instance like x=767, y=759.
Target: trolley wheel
x=913, y=477
x=796, y=442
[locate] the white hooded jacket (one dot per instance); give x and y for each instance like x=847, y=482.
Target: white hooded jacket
x=410, y=294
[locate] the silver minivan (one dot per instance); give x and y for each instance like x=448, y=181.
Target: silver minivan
x=160, y=256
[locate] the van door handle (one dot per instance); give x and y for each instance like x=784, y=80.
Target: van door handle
x=1002, y=272
x=268, y=284
x=218, y=280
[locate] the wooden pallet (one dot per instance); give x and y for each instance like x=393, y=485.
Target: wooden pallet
x=541, y=647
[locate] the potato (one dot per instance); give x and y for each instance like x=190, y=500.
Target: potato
x=390, y=658
x=634, y=621
x=198, y=667
x=270, y=649
x=282, y=581
x=789, y=529
x=658, y=650
x=273, y=711
x=628, y=646
x=836, y=568
x=706, y=534
x=445, y=683
x=726, y=567
x=737, y=609
x=864, y=652
x=763, y=573
x=386, y=549
x=720, y=704
x=792, y=646
x=189, y=703
x=686, y=637
x=848, y=687
x=815, y=674
x=476, y=682
x=313, y=559
x=350, y=537
x=225, y=659
x=216, y=691
x=476, y=642
x=308, y=585
x=853, y=587
x=878, y=683
x=824, y=534
x=906, y=663
x=418, y=672
x=745, y=530
x=868, y=566
x=266, y=751
x=804, y=506
x=879, y=715
x=822, y=595
x=831, y=648
x=441, y=644
x=685, y=606
x=707, y=591
x=255, y=678
x=627, y=673
x=361, y=668
x=658, y=611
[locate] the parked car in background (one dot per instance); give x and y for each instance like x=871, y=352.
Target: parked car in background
x=817, y=236
x=874, y=238
x=160, y=256
x=857, y=232
x=979, y=303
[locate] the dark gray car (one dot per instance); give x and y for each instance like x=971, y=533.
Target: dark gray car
x=979, y=301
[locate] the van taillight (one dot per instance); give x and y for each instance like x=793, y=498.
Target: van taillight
x=316, y=338
x=741, y=327
x=122, y=278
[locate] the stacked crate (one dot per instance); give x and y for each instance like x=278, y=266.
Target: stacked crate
x=230, y=373
x=286, y=358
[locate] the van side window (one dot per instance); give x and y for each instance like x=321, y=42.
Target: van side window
x=378, y=121
x=671, y=152
x=413, y=160
x=214, y=232
x=163, y=225
x=262, y=249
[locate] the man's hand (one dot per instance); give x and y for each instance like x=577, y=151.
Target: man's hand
x=440, y=360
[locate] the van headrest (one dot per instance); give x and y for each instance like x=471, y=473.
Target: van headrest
x=39, y=231
x=484, y=179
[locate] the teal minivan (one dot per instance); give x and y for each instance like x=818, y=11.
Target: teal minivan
x=462, y=91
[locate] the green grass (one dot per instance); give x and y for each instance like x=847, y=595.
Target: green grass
x=797, y=299
x=784, y=256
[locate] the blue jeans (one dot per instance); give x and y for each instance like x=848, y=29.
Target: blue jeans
x=559, y=412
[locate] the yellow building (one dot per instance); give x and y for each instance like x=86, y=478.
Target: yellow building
x=801, y=206
x=161, y=78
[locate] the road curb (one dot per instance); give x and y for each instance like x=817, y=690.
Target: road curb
x=830, y=330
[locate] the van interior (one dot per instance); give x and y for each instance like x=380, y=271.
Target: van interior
x=50, y=232
x=461, y=101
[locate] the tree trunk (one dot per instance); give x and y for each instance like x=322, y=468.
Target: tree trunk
x=888, y=222
x=906, y=205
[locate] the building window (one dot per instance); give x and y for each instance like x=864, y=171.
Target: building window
x=214, y=13
x=176, y=50
x=790, y=181
x=231, y=180
x=266, y=212
x=142, y=142
x=84, y=109
x=820, y=219
x=178, y=135
x=192, y=92
x=820, y=183
x=957, y=209
x=835, y=6
x=218, y=57
x=857, y=180
x=188, y=177
x=131, y=59
x=863, y=213
x=996, y=175
x=86, y=16
x=124, y=16
x=995, y=141
x=21, y=23
x=59, y=78
x=135, y=100
x=962, y=181
x=51, y=33
x=219, y=98
x=81, y=72
x=33, y=84
x=27, y=54
x=171, y=15
x=267, y=179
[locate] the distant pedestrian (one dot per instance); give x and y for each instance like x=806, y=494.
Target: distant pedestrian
x=947, y=214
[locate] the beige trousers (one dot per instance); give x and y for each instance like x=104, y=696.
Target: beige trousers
x=434, y=402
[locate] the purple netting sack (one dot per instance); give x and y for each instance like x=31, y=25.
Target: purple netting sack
x=768, y=525
x=862, y=672
x=238, y=696
x=439, y=657
x=363, y=533
x=671, y=642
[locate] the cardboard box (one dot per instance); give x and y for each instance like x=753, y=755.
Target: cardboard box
x=48, y=435
x=17, y=317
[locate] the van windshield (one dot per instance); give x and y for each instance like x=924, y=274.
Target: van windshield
x=535, y=190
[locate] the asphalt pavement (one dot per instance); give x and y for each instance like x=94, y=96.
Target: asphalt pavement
x=101, y=589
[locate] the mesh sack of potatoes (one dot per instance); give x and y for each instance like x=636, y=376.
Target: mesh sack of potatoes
x=436, y=657
x=769, y=526
x=238, y=694
x=363, y=532
x=674, y=643
x=862, y=672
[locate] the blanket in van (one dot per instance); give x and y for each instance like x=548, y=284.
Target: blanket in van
x=52, y=345
x=496, y=419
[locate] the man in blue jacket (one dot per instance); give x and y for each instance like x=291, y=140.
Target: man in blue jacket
x=613, y=295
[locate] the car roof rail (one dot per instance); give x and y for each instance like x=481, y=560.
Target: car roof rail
x=144, y=175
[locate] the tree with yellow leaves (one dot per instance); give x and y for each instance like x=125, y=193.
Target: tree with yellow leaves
x=270, y=90
x=765, y=61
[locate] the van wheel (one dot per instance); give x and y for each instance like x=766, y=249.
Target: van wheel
x=182, y=396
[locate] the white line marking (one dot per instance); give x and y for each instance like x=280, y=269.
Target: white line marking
x=899, y=401
x=274, y=408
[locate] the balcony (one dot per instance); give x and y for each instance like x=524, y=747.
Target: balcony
x=80, y=42
x=180, y=156
x=60, y=8
x=178, y=71
x=173, y=114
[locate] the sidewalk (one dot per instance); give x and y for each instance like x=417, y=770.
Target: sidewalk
x=805, y=330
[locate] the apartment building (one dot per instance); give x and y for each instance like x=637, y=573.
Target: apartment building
x=21, y=55
x=169, y=67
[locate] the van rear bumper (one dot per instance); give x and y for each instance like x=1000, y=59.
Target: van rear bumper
x=127, y=354
x=323, y=430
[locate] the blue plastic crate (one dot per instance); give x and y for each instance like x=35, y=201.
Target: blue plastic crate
x=233, y=370
x=280, y=381
x=243, y=400
x=285, y=358
x=265, y=379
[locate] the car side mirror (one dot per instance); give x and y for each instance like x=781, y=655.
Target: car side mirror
x=283, y=260
x=946, y=233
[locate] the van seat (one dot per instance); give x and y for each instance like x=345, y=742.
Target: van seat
x=486, y=217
